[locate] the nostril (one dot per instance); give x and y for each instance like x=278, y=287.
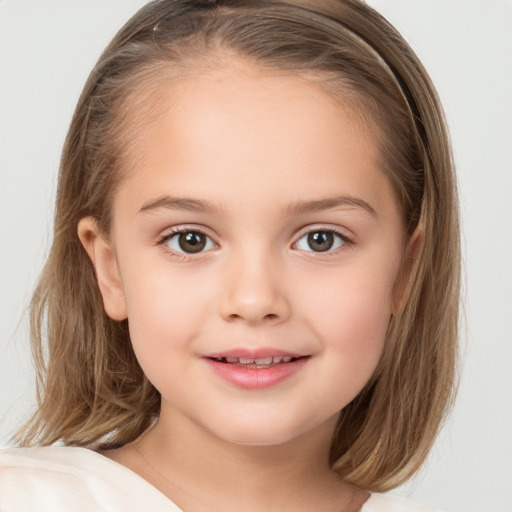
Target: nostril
x=270, y=317
x=254, y=308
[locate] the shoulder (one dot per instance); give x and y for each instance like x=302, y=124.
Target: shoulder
x=389, y=503
x=46, y=458
x=59, y=479
x=50, y=461
x=41, y=478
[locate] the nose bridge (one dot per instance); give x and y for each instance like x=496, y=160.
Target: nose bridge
x=254, y=290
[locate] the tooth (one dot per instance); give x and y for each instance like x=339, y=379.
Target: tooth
x=286, y=359
x=277, y=359
x=246, y=361
x=232, y=359
x=263, y=360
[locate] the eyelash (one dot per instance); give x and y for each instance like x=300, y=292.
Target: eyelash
x=345, y=241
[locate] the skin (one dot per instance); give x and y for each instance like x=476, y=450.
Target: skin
x=254, y=146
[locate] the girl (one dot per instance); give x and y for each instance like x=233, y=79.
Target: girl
x=251, y=298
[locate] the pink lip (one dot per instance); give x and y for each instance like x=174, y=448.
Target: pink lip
x=255, y=378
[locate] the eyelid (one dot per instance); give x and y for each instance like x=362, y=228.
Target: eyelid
x=342, y=232
x=183, y=228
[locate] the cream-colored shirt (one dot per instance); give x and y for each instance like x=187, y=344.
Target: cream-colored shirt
x=66, y=479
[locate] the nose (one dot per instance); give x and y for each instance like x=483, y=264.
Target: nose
x=253, y=291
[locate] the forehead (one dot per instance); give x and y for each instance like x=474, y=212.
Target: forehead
x=229, y=79
x=230, y=129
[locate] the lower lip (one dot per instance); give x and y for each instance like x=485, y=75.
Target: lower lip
x=256, y=378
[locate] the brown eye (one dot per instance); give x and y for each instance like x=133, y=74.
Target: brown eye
x=190, y=242
x=320, y=241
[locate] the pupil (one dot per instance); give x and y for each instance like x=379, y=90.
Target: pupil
x=320, y=241
x=192, y=241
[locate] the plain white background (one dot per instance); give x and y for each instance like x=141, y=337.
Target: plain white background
x=47, y=48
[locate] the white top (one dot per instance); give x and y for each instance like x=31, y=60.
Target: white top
x=64, y=479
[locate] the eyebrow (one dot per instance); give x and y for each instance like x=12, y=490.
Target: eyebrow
x=179, y=203
x=297, y=208
x=329, y=203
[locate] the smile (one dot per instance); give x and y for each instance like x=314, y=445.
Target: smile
x=260, y=362
x=255, y=372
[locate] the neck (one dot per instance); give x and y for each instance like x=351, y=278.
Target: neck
x=199, y=471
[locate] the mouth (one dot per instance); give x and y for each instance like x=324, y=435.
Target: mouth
x=256, y=370
x=257, y=362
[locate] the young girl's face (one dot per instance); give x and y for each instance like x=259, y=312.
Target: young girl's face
x=254, y=249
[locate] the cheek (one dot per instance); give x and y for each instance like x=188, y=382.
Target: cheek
x=352, y=327
x=164, y=315
x=350, y=312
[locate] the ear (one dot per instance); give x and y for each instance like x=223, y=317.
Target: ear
x=412, y=253
x=104, y=260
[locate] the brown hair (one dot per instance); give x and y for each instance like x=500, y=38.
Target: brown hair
x=90, y=385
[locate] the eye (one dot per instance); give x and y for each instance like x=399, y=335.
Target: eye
x=320, y=241
x=189, y=242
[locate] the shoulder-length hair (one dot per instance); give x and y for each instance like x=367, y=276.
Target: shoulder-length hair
x=90, y=386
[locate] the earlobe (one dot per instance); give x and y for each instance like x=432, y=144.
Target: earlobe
x=404, y=281
x=104, y=260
